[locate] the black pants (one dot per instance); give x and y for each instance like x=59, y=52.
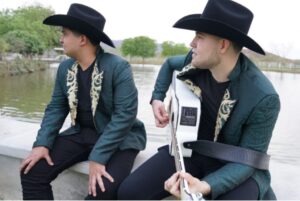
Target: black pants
x=67, y=151
x=147, y=182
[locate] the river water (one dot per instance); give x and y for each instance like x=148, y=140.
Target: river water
x=25, y=97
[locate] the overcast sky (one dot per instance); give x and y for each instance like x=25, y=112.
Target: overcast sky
x=275, y=26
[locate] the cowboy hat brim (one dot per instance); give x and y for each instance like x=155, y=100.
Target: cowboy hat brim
x=78, y=25
x=197, y=23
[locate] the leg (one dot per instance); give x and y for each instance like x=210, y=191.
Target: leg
x=246, y=191
x=119, y=167
x=66, y=151
x=147, y=182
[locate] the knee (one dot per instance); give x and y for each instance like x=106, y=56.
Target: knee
x=32, y=178
x=127, y=191
x=110, y=192
x=25, y=178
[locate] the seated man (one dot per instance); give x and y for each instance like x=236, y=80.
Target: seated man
x=239, y=106
x=98, y=90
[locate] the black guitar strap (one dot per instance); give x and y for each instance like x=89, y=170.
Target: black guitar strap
x=230, y=153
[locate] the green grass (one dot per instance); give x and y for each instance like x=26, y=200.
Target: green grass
x=281, y=70
x=18, y=67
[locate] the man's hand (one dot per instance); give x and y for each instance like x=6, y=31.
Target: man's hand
x=195, y=185
x=36, y=154
x=160, y=114
x=172, y=185
x=97, y=170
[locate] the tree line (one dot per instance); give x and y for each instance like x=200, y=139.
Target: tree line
x=22, y=31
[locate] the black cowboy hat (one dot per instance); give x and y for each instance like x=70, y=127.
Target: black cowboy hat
x=84, y=20
x=223, y=18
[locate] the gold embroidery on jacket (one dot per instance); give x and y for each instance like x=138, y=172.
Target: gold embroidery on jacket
x=96, y=88
x=224, y=111
x=195, y=89
x=72, y=86
x=186, y=69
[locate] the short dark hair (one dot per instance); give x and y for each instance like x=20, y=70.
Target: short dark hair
x=236, y=47
x=95, y=42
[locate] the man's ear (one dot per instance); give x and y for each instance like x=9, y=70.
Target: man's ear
x=83, y=40
x=224, y=46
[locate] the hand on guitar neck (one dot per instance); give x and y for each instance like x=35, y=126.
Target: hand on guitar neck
x=160, y=114
x=172, y=185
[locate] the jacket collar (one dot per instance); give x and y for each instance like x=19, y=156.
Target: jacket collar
x=72, y=86
x=185, y=75
x=241, y=65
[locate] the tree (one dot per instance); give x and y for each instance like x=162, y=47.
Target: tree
x=169, y=48
x=5, y=21
x=141, y=46
x=26, y=24
x=3, y=47
x=128, y=47
x=30, y=19
x=24, y=43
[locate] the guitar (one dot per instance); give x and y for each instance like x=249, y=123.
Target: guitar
x=184, y=112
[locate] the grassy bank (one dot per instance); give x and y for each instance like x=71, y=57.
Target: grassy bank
x=153, y=60
x=21, y=66
x=281, y=70
x=160, y=60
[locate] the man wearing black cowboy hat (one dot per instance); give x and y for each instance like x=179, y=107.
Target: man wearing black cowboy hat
x=239, y=107
x=98, y=91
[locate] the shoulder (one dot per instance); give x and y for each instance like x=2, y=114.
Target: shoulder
x=255, y=80
x=111, y=61
x=178, y=62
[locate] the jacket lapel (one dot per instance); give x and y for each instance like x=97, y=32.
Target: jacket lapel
x=225, y=109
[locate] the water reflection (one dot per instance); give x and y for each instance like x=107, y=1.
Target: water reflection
x=25, y=98
x=285, y=141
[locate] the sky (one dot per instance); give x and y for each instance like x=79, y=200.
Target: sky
x=275, y=25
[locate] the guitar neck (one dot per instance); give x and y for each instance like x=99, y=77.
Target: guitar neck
x=179, y=163
x=184, y=110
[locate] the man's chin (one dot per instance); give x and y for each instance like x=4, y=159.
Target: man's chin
x=69, y=55
x=194, y=63
x=197, y=65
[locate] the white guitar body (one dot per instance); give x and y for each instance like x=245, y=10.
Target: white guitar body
x=185, y=110
x=184, y=113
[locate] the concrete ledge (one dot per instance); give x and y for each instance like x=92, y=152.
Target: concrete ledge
x=20, y=146
x=71, y=184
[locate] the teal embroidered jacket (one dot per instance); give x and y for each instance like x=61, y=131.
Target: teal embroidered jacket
x=114, y=106
x=246, y=117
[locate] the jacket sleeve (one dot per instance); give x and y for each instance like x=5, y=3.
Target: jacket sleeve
x=256, y=135
x=123, y=115
x=165, y=74
x=55, y=114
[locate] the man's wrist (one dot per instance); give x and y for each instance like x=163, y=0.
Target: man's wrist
x=206, y=189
